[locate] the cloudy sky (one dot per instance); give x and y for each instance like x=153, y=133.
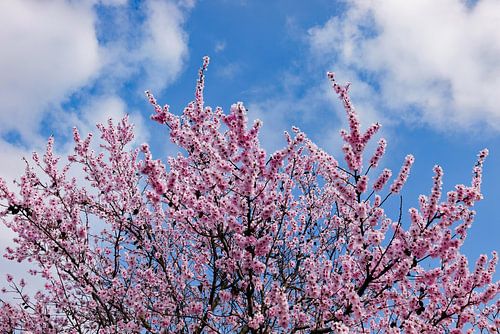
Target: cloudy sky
x=428, y=70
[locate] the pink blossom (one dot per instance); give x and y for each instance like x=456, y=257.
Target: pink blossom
x=400, y=180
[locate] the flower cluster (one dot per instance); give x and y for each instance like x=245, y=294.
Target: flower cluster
x=355, y=142
x=382, y=179
x=379, y=152
x=400, y=180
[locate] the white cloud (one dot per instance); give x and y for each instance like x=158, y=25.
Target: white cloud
x=165, y=45
x=441, y=58
x=151, y=51
x=188, y=4
x=49, y=49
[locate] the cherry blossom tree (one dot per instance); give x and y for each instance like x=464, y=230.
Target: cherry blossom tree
x=224, y=238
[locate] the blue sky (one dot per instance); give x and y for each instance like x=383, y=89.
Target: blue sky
x=428, y=71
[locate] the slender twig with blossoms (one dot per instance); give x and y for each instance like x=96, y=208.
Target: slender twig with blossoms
x=224, y=238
